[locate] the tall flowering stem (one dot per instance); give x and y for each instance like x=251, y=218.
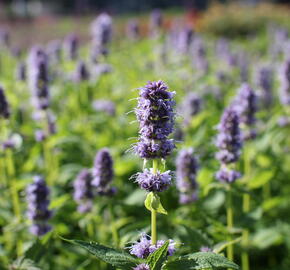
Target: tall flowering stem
x=155, y=114
x=246, y=106
x=5, y=114
x=229, y=142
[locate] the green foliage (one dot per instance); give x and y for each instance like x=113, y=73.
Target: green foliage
x=109, y=255
x=152, y=202
x=200, y=260
x=156, y=259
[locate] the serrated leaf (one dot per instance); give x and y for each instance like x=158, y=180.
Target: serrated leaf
x=152, y=202
x=109, y=255
x=200, y=260
x=156, y=259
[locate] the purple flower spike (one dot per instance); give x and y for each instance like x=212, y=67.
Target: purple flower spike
x=101, y=30
x=133, y=30
x=82, y=73
x=4, y=106
x=156, y=182
x=83, y=191
x=191, y=106
x=226, y=175
x=38, y=201
x=285, y=83
x=186, y=170
x=103, y=171
x=264, y=82
x=156, y=20
x=20, y=73
x=155, y=114
x=229, y=139
x=71, y=46
x=142, y=266
x=246, y=106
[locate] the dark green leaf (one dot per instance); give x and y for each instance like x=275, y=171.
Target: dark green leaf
x=156, y=259
x=109, y=255
x=200, y=260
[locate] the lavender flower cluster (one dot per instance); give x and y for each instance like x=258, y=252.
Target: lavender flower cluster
x=99, y=180
x=38, y=201
x=264, y=81
x=229, y=142
x=246, y=106
x=155, y=113
x=285, y=83
x=71, y=47
x=186, y=170
x=83, y=193
x=103, y=172
x=38, y=77
x=143, y=248
x=191, y=106
x=101, y=32
x=151, y=181
x=4, y=106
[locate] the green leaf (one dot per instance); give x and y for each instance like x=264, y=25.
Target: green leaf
x=156, y=259
x=200, y=260
x=218, y=248
x=35, y=251
x=109, y=255
x=152, y=202
x=200, y=239
x=24, y=264
x=260, y=179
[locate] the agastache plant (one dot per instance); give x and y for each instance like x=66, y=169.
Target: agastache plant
x=186, y=171
x=156, y=116
x=83, y=191
x=38, y=202
x=71, y=47
x=4, y=106
x=103, y=173
x=285, y=83
x=264, y=80
x=246, y=106
x=101, y=33
x=229, y=142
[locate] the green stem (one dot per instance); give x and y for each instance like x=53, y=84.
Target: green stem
x=13, y=186
x=230, y=224
x=113, y=227
x=153, y=227
x=154, y=212
x=47, y=159
x=155, y=165
x=246, y=209
x=14, y=194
